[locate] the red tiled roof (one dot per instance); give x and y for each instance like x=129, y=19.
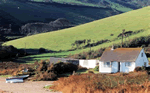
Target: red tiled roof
x=120, y=54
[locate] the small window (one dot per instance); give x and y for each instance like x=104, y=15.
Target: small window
x=106, y=64
x=128, y=64
x=142, y=55
x=85, y=63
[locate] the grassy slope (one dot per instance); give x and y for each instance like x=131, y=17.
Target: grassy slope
x=96, y=30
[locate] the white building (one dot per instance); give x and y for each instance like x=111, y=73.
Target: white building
x=122, y=60
x=70, y=60
x=88, y=63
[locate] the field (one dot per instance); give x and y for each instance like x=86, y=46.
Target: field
x=61, y=40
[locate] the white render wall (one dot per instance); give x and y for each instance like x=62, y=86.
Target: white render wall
x=140, y=60
x=114, y=67
x=103, y=69
x=127, y=69
x=91, y=63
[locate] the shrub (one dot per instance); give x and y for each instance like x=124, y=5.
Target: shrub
x=88, y=54
x=143, y=68
x=49, y=76
x=138, y=69
x=143, y=46
x=96, y=68
x=62, y=67
x=81, y=68
x=44, y=75
x=91, y=72
x=70, y=67
x=100, y=83
x=42, y=50
x=42, y=66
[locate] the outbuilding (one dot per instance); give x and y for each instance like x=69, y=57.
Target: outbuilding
x=70, y=60
x=91, y=63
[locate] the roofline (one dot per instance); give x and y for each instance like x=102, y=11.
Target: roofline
x=124, y=61
x=139, y=54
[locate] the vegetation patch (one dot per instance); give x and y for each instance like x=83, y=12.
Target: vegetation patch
x=5, y=76
x=135, y=42
x=100, y=83
x=96, y=68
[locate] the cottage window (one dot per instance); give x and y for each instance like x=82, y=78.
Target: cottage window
x=128, y=64
x=106, y=64
x=142, y=55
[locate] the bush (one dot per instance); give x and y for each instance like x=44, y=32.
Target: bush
x=88, y=54
x=42, y=50
x=50, y=76
x=143, y=68
x=100, y=83
x=62, y=67
x=138, y=69
x=91, y=72
x=96, y=68
x=42, y=66
x=45, y=76
x=81, y=68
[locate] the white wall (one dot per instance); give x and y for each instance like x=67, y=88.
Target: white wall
x=140, y=60
x=103, y=69
x=127, y=69
x=114, y=67
x=91, y=63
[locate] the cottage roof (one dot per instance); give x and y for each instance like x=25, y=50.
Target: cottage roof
x=120, y=54
x=55, y=60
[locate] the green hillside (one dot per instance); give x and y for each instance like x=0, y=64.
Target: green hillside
x=97, y=30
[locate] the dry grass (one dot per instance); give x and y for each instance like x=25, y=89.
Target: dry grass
x=136, y=82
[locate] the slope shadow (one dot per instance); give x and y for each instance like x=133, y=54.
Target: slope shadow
x=37, y=51
x=31, y=56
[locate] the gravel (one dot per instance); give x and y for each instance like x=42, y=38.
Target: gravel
x=26, y=87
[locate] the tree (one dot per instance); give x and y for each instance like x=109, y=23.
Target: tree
x=88, y=42
x=73, y=44
x=84, y=41
x=122, y=37
x=93, y=43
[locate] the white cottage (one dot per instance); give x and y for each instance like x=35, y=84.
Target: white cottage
x=122, y=60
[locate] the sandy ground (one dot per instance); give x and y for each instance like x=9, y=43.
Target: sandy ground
x=26, y=87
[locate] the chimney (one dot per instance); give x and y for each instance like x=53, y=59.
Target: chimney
x=112, y=47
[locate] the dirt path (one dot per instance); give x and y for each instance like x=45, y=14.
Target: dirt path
x=26, y=87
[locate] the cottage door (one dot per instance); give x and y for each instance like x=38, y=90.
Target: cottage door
x=118, y=66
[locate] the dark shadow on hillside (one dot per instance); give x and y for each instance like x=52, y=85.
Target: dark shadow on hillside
x=38, y=51
x=26, y=55
x=27, y=59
